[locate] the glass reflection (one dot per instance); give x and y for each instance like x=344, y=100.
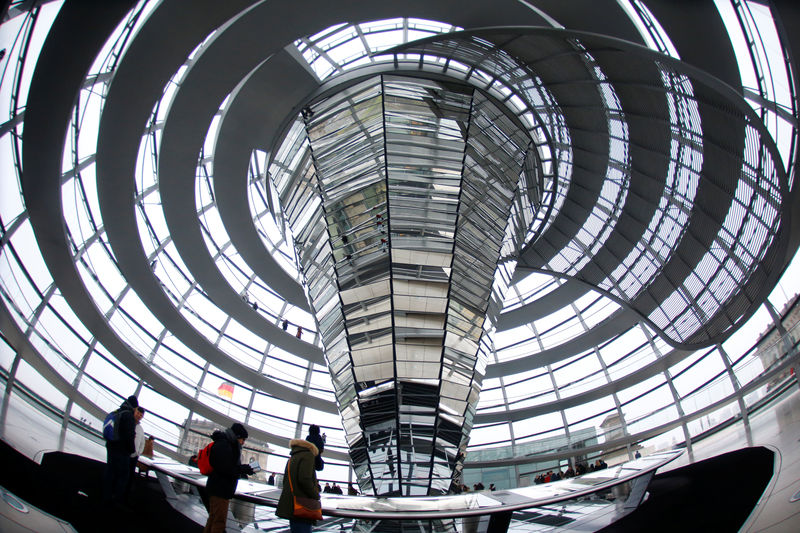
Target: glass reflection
x=417, y=181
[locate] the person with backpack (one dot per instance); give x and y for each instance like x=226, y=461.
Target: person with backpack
x=226, y=468
x=119, y=446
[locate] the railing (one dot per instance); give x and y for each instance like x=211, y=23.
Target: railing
x=625, y=481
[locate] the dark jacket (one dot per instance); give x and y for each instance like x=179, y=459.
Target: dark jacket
x=316, y=440
x=225, y=460
x=127, y=431
x=304, y=478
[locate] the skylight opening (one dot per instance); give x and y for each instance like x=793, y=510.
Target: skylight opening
x=345, y=46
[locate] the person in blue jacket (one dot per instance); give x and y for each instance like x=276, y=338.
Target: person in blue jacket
x=225, y=459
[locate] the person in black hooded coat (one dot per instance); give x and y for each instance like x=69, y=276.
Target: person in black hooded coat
x=317, y=440
x=225, y=459
x=118, y=454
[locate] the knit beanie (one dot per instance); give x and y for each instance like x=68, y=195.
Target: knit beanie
x=239, y=430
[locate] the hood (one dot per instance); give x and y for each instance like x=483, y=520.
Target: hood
x=226, y=435
x=231, y=436
x=301, y=444
x=130, y=403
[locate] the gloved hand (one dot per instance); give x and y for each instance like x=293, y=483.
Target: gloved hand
x=248, y=470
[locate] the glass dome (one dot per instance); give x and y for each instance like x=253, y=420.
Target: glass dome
x=154, y=243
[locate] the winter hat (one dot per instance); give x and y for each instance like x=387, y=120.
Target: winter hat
x=239, y=430
x=313, y=429
x=133, y=401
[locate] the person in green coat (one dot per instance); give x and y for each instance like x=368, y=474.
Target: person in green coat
x=304, y=482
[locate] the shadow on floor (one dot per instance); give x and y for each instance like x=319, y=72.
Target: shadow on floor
x=716, y=495
x=69, y=487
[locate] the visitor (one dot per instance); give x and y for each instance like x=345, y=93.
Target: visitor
x=147, y=452
x=299, y=480
x=318, y=440
x=138, y=443
x=225, y=459
x=148, y=447
x=118, y=454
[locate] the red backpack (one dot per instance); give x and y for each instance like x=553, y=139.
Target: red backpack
x=204, y=459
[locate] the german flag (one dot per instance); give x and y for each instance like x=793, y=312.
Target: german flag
x=225, y=390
